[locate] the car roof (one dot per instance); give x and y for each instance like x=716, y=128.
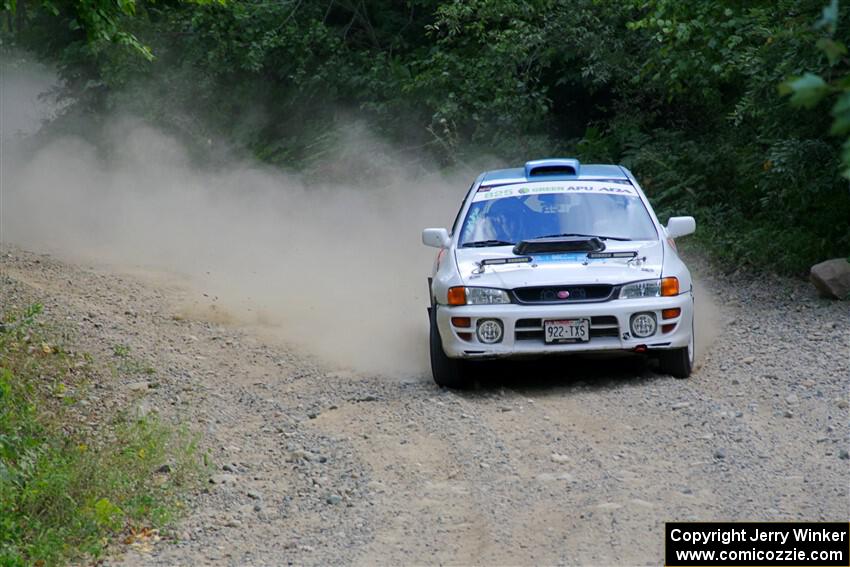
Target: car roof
x=554, y=169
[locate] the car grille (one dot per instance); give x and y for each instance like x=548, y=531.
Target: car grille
x=600, y=326
x=564, y=293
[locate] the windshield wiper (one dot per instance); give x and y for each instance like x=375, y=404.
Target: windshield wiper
x=585, y=235
x=485, y=243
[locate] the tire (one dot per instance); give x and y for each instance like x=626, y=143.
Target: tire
x=678, y=362
x=447, y=372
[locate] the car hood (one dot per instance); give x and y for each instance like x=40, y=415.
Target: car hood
x=562, y=268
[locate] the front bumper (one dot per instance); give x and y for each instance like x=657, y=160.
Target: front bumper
x=523, y=327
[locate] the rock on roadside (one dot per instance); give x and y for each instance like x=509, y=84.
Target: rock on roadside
x=832, y=278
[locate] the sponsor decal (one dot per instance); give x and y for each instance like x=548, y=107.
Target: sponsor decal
x=599, y=187
x=586, y=257
x=561, y=257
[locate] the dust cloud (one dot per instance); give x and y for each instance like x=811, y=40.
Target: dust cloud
x=707, y=321
x=334, y=268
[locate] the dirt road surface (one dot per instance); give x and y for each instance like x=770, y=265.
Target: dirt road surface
x=568, y=462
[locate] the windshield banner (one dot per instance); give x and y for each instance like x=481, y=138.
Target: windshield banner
x=544, y=188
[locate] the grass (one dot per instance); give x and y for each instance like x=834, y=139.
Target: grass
x=127, y=363
x=68, y=488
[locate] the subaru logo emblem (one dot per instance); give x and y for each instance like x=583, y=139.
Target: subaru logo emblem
x=563, y=294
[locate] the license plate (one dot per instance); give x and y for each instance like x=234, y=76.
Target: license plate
x=566, y=331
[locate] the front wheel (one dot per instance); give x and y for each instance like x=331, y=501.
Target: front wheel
x=678, y=362
x=447, y=372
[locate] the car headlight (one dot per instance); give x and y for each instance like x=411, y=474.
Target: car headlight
x=486, y=295
x=461, y=295
x=664, y=287
x=646, y=288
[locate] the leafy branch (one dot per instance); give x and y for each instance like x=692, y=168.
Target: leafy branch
x=810, y=89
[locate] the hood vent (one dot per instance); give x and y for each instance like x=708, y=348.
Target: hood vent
x=555, y=244
x=552, y=168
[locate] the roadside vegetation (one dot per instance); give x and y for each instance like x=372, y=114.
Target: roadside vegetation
x=71, y=478
x=733, y=111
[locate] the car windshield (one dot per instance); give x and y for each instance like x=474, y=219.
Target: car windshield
x=510, y=219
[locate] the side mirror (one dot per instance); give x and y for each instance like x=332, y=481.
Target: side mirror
x=436, y=237
x=680, y=226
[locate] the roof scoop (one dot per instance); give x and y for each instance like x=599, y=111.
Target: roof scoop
x=556, y=167
x=557, y=244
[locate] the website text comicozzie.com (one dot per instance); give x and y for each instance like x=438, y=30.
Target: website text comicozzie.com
x=803, y=544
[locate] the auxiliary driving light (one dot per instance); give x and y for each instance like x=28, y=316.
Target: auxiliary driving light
x=643, y=324
x=489, y=331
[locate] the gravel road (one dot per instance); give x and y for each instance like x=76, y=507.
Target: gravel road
x=567, y=462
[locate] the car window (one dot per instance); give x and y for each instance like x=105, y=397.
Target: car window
x=460, y=210
x=514, y=218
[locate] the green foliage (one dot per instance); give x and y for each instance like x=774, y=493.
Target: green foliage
x=121, y=351
x=64, y=489
x=806, y=91
x=685, y=93
x=97, y=22
x=84, y=26
x=810, y=89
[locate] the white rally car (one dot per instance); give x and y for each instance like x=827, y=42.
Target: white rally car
x=556, y=258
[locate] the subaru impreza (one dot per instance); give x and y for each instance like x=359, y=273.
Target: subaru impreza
x=558, y=258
